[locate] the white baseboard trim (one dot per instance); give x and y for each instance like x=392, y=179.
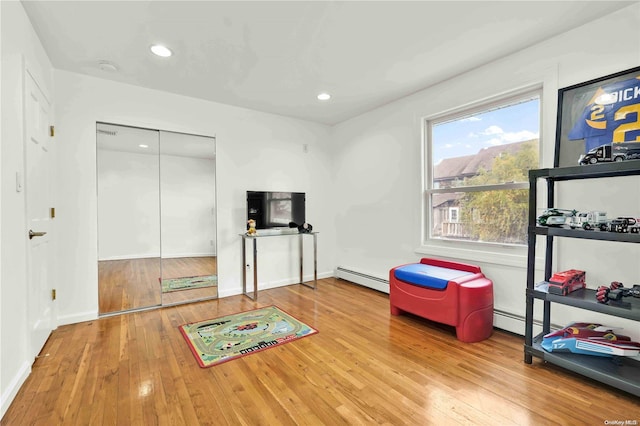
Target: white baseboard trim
x=130, y=256
x=76, y=318
x=516, y=323
x=14, y=386
x=151, y=256
x=361, y=278
x=271, y=284
x=181, y=255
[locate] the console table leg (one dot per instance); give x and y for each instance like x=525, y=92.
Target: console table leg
x=301, y=244
x=255, y=270
x=244, y=267
x=315, y=261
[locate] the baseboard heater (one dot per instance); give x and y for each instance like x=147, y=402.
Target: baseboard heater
x=516, y=323
x=508, y=321
x=366, y=280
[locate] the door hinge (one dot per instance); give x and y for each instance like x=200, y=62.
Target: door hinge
x=53, y=294
x=53, y=212
x=52, y=131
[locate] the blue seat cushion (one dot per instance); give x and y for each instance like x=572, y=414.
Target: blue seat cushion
x=428, y=275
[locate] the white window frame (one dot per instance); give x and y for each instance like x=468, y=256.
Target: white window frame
x=464, y=249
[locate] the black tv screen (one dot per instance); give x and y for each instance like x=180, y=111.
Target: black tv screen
x=275, y=209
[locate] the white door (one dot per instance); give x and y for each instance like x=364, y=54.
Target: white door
x=38, y=204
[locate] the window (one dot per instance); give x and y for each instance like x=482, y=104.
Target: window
x=477, y=164
x=453, y=214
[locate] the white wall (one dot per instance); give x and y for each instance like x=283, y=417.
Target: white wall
x=371, y=224
x=188, y=199
x=128, y=205
x=19, y=45
x=151, y=202
x=378, y=168
x=254, y=151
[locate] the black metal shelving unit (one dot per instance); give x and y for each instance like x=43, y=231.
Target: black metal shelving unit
x=620, y=372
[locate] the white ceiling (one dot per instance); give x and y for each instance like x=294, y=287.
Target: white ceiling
x=277, y=56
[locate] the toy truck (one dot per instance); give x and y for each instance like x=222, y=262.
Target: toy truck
x=555, y=217
x=623, y=225
x=619, y=151
x=566, y=282
x=589, y=220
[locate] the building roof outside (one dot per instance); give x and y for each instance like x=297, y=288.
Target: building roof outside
x=458, y=168
x=470, y=165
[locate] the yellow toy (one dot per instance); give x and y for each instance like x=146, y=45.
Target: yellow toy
x=252, y=227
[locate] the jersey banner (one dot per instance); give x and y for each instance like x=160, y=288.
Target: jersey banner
x=611, y=115
x=599, y=113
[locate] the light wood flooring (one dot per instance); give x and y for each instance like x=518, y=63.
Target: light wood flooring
x=189, y=267
x=135, y=283
x=363, y=367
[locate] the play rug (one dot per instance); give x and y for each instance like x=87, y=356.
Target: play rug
x=222, y=339
x=175, y=284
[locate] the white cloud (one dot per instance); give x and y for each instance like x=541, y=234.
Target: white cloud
x=512, y=137
x=523, y=135
x=493, y=130
x=472, y=118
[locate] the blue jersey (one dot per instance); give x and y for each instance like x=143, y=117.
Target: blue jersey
x=612, y=115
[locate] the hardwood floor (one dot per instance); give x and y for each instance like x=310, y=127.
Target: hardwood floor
x=189, y=267
x=128, y=284
x=134, y=283
x=363, y=367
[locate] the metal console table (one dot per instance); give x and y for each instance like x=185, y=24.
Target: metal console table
x=255, y=238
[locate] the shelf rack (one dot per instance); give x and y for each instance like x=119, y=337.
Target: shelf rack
x=620, y=372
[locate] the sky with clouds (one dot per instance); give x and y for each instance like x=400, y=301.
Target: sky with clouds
x=469, y=135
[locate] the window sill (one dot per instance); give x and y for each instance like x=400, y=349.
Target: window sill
x=515, y=256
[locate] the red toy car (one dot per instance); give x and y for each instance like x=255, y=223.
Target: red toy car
x=566, y=282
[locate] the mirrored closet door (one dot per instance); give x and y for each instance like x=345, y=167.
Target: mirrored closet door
x=188, y=217
x=156, y=218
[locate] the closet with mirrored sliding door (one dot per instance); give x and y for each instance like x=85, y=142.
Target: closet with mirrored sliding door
x=156, y=218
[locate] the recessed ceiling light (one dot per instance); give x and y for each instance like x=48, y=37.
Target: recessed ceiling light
x=161, y=50
x=324, y=97
x=143, y=146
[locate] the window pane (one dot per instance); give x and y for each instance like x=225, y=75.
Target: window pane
x=487, y=216
x=493, y=146
x=479, y=162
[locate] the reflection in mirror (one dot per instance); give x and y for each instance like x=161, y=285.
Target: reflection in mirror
x=188, y=217
x=128, y=171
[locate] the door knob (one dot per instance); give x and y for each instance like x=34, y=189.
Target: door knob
x=35, y=234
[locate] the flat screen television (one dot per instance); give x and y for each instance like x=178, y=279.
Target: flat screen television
x=275, y=209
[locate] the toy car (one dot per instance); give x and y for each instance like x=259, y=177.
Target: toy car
x=621, y=224
x=616, y=291
x=589, y=220
x=566, y=282
x=555, y=217
x=590, y=339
